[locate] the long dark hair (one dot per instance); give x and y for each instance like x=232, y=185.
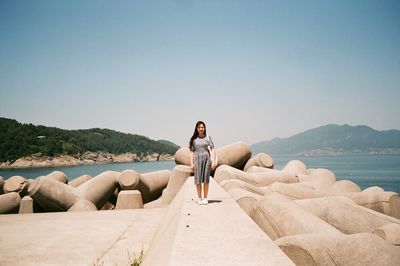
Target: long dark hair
x=196, y=134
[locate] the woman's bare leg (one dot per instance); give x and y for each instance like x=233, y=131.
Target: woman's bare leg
x=206, y=190
x=198, y=188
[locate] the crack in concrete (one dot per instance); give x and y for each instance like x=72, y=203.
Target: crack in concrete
x=120, y=237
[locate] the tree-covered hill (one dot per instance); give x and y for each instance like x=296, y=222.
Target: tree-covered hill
x=18, y=140
x=169, y=143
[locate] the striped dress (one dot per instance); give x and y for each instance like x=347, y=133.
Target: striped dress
x=202, y=159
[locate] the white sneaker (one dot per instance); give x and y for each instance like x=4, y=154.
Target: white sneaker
x=204, y=201
x=200, y=201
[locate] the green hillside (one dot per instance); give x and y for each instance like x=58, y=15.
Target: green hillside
x=18, y=140
x=169, y=143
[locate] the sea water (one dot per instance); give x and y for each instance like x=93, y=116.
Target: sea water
x=73, y=172
x=364, y=170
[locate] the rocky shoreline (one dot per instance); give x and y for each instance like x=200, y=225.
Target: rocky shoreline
x=87, y=158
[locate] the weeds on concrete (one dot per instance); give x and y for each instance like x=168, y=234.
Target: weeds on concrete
x=136, y=261
x=98, y=263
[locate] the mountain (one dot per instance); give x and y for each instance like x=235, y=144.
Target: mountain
x=334, y=139
x=18, y=140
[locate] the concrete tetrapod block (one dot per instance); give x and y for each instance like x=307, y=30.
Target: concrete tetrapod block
x=1, y=185
x=53, y=195
x=83, y=205
x=9, y=202
x=245, y=199
x=108, y=206
x=152, y=184
x=157, y=203
x=113, y=198
x=260, y=179
x=288, y=174
x=295, y=167
x=79, y=180
x=235, y=154
x=389, y=232
x=226, y=172
x=29, y=182
x=160, y=202
x=292, y=168
x=128, y=179
x=343, y=186
x=364, y=249
x=100, y=188
x=26, y=205
x=264, y=160
x=374, y=189
x=16, y=184
x=321, y=179
x=308, y=249
x=59, y=176
x=384, y=202
x=345, y=215
x=261, y=160
x=179, y=175
x=129, y=199
x=303, y=190
x=257, y=169
x=279, y=216
x=355, y=249
x=182, y=156
x=230, y=184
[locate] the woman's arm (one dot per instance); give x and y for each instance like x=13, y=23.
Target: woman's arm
x=213, y=161
x=191, y=161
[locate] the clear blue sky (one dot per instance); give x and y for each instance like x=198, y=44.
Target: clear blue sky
x=252, y=70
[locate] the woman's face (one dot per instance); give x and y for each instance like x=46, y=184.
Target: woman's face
x=200, y=129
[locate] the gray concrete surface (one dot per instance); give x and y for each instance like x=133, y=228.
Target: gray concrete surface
x=219, y=233
x=83, y=238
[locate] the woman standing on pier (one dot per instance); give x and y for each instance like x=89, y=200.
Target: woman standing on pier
x=202, y=158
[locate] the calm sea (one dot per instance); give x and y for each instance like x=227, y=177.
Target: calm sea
x=365, y=170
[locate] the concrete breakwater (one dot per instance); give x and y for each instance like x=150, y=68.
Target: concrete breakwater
x=37, y=160
x=313, y=218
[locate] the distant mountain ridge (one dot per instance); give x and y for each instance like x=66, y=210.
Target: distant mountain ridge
x=334, y=139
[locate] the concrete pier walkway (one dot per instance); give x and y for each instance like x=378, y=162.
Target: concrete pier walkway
x=219, y=233
x=184, y=233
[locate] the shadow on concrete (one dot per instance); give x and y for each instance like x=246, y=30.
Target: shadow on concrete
x=214, y=201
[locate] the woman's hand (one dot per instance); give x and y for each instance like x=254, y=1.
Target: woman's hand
x=192, y=166
x=213, y=166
